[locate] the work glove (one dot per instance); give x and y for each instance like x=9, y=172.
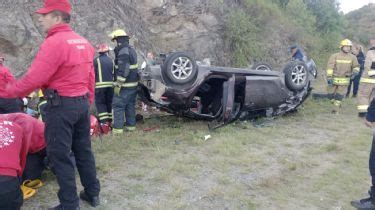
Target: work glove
x=330, y=81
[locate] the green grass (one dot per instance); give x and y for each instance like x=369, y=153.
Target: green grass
x=307, y=160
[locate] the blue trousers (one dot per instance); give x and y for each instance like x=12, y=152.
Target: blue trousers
x=124, y=104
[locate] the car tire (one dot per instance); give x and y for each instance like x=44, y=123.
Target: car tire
x=296, y=75
x=261, y=67
x=180, y=68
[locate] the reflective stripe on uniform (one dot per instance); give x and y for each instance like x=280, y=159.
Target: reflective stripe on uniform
x=103, y=84
x=103, y=114
x=329, y=72
x=367, y=80
x=362, y=108
x=99, y=70
x=344, y=61
x=341, y=81
x=130, y=84
x=371, y=73
x=133, y=67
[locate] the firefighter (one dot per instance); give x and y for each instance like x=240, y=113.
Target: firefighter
x=369, y=203
x=342, y=66
x=125, y=83
x=21, y=137
x=42, y=106
x=104, y=68
x=63, y=67
x=7, y=105
x=366, y=89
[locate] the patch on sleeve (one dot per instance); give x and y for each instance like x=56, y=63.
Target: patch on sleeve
x=6, y=135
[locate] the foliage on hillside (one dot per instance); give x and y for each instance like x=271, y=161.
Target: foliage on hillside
x=361, y=23
x=262, y=30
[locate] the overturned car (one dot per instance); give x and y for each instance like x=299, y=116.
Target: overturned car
x=182, y=86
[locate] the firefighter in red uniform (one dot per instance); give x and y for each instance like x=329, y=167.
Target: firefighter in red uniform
x=64, y=69
x=20, y=136
x=7, y=105
x=36, y=147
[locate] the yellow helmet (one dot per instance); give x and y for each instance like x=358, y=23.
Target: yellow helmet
x=40, y=93
x=346, y=42
x=117, y=33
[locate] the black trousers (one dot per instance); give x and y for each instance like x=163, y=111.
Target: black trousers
x=10, y=105
x=11, y=197
x=103, y=103
x=68, y=130
x=34, y=165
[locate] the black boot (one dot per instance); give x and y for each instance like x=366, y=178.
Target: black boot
x=93, y=201
x=362, y=114
x=60, y=207
x=366, y=203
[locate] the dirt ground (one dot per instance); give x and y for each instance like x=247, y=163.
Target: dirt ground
x=310, y=159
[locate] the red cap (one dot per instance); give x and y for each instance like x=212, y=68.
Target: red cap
x=51, y=5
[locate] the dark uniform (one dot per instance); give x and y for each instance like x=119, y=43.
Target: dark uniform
x=126, y=79
x=369, y=203
x=104, y=68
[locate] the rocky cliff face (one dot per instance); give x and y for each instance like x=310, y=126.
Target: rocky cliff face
x=158, y=25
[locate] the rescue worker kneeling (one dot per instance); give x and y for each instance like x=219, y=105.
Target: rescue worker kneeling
x=21, y=136
x=342, y=66
x=126, y=83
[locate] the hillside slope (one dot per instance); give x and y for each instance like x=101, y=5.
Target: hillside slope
x=231, y=33
x=361, y=23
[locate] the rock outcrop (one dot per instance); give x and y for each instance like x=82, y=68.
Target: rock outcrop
x=155, y=25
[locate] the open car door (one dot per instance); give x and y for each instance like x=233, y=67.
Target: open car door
x=230, y=110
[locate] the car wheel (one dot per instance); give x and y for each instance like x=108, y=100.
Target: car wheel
x=261, y=67
x=180, y=68
x=296, y=75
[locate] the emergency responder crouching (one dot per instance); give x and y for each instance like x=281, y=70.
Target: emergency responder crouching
x=367, y=82
x=125, y=83
x=7, y=105
x=64, y=68
x=104, y=68
x=342, y=66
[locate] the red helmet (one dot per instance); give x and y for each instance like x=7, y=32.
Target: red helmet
x=94, y=126
x=102, y=48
